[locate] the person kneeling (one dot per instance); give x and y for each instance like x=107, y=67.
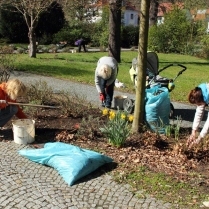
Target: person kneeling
x=9, y=92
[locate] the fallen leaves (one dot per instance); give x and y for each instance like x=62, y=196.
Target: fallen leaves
x=157, y=152
x=64, y=136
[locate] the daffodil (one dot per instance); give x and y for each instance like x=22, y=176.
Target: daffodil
x=105, y=111
x=112, y=115
x=131, y=118
x=123, y=116
x=117, y=128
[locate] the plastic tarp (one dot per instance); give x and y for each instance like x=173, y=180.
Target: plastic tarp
x=157, y=108
x=71, y=162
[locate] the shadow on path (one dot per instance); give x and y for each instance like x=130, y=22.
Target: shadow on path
x=188, y=114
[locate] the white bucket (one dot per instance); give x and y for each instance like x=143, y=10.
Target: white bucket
x=24, y=131
x=118, y=102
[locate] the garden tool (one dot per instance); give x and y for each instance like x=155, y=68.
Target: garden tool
x=32, y=105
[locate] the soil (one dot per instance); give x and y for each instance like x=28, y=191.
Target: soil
x=157, y=152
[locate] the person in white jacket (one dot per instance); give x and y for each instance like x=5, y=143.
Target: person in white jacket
x=105, y=76
x=199, y=96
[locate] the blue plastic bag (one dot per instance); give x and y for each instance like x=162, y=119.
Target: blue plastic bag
x=157, y=108
x=71, y=162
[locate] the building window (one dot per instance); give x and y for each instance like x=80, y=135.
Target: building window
x=132, y=16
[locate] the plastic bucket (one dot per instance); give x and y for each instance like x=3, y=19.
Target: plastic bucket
x=24, y=131
x=118, y=102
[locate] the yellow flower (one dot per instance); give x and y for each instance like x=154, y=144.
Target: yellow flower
x=112, y=112
x=105, y=111
x=112, y=115
x=123, y=116
x=131, y=118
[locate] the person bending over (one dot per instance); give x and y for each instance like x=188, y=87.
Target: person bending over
x=200, y=97
x=105, y=75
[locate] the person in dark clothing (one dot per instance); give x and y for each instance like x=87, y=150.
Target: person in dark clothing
x=81, y=42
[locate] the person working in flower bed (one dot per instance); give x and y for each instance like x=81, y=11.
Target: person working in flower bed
x=105, y=75
x=199, y=96
x=9, y=92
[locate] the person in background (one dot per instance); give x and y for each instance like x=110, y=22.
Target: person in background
x=81, y=42
x=9, y=92
x=105, y=75
x=200, y=97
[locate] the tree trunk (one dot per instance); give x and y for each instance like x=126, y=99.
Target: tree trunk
x=114, y=42
x=153, y=12
x=32, y=43
x=142, y=65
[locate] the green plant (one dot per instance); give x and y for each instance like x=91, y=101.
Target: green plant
x=157, y=126
x=118, y=128
x=174, y=128
x=161, y=186
x=130, y=36
x=168, y=37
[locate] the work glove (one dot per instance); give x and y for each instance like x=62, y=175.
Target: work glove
x=102, y=97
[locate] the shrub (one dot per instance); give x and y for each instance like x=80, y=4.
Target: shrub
x=118, y=127
x=6, y=62
x=39, y=92
x=130, y=36
x=172, y=35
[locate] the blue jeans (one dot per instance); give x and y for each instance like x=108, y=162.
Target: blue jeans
x=108, y=92
x=7, y=113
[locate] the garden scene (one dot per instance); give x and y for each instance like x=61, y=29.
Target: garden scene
x=150, y=161
x=153, y=163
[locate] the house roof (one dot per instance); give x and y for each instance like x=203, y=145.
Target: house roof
x=166, y=7
x=130, y=6
x=200, y=14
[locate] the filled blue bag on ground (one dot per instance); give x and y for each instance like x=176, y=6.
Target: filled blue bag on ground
x=71, y=162
x=157, y=108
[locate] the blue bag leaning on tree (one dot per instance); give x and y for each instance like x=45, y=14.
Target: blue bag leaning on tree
x=157, y=108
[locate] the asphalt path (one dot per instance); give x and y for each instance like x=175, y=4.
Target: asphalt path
x=184, y=111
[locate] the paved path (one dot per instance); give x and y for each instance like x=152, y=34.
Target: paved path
x=25, y=184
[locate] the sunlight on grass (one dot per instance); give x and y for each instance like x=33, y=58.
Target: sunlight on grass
x=80, y=67
x=162, y=187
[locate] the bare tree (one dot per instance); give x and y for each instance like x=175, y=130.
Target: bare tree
x=114, y=42
x=142, y=64
x=31, y=10
x=81, y=10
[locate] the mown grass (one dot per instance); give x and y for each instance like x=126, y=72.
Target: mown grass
x=163, y=187
x=80, y=67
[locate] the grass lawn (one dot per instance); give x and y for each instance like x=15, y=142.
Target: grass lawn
x=80, y=67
